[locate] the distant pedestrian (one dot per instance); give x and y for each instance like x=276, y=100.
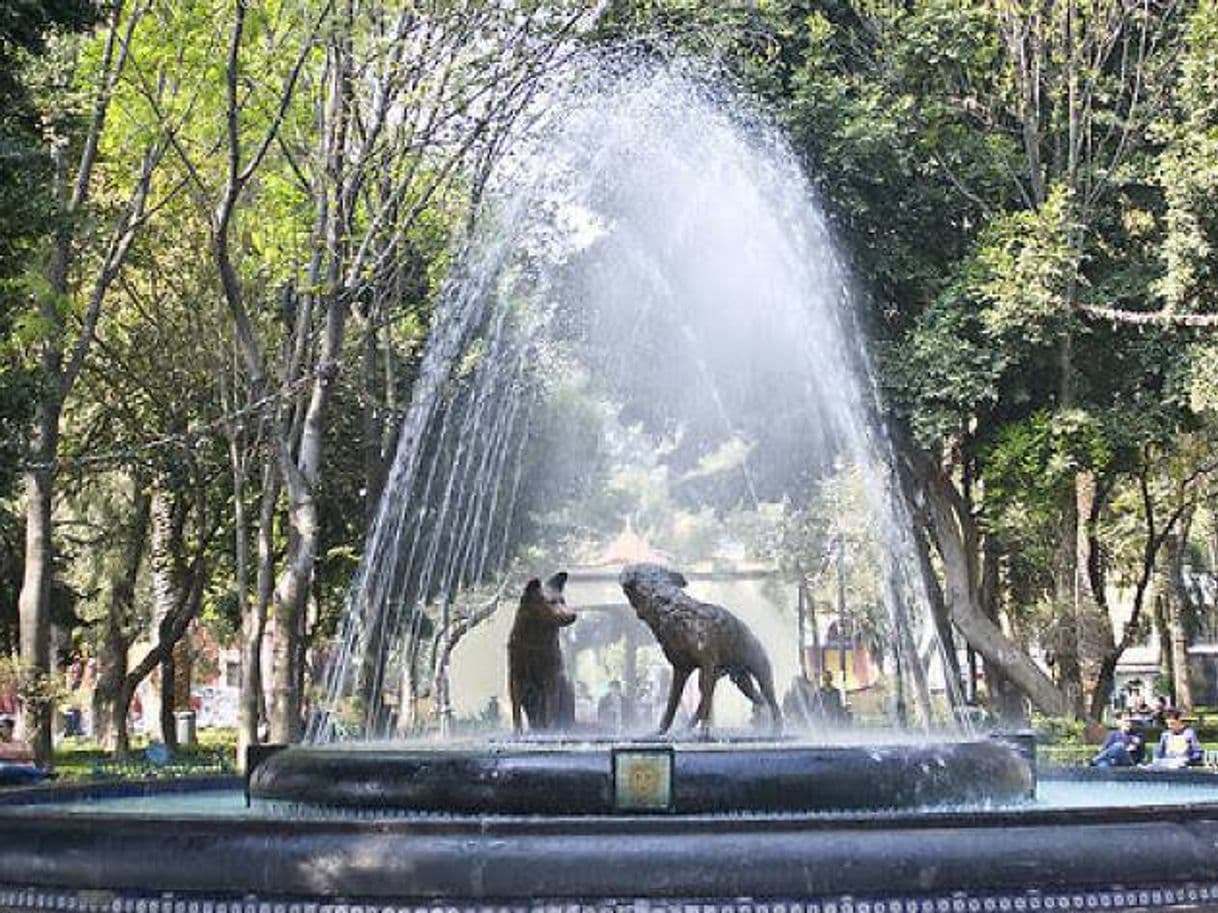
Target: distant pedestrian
x=10, y=703
x=491, y=713
x=1159, y=716
x=73, y=722
x=829, y=700
x=800, y=702
x=611, y=709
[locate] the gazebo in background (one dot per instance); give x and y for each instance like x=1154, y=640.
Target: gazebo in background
x=843, y=653
x=606, y=644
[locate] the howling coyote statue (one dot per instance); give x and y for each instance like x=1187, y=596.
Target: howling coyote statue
x=697, y=635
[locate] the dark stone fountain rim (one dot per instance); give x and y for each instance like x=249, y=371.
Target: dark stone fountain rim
x=629, y=777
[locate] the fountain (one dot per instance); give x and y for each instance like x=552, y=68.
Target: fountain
x=657, y=258
x=651, y=319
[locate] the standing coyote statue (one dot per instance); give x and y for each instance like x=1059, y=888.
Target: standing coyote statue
x=537, y=678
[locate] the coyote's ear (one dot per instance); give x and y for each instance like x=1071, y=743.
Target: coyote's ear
x=533, y=586
x=557, y=582
x=678, y=579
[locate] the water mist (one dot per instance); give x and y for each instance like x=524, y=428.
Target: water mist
x=654, y=258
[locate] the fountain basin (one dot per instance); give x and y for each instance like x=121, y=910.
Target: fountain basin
x=603, y=778
x=67, y=848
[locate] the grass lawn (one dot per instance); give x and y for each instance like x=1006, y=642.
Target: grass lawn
x=81, y=759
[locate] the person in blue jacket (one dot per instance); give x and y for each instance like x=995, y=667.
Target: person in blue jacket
x=1179, y=746
x=1124, y=747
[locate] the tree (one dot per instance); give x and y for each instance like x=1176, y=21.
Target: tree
x=27, y=217
x=68, y=309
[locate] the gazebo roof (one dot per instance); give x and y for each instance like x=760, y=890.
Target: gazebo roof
x=628, y=547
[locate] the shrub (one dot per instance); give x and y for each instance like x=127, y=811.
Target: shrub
x=1053, y=730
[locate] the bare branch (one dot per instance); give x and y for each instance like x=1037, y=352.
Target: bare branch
x=116, y=255
x=286, y=94
x=111, y=69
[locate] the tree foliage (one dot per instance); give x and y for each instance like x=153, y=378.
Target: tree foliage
x=239, y=286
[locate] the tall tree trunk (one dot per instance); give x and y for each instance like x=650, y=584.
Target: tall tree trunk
x=1066, y=604
x=238, y=175
x=1006, y=700
x=1066, y=567
x=1167, y=659
x=917, y=672
x=375, y=415
x=254, y=615
x=111, y=670
x=170, y=631
x=252, y=601
x=1071, y=584
x=1091, y=561
x=1156, y=535
x=118, y=628
x=939, y=615
x=1177, y=606
x=168, y=675
x=246, y=734
x=302, y=475
x=1182, y=692
x=122, y=713
x=34, y=603
x=290, y=594
x=950, y=529
x=168, y=521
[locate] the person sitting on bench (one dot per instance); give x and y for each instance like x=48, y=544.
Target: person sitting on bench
x=16, y=759
x=1179, y=746
x=1124, y=747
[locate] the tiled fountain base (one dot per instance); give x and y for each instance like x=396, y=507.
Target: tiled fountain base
x=1201, y=897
